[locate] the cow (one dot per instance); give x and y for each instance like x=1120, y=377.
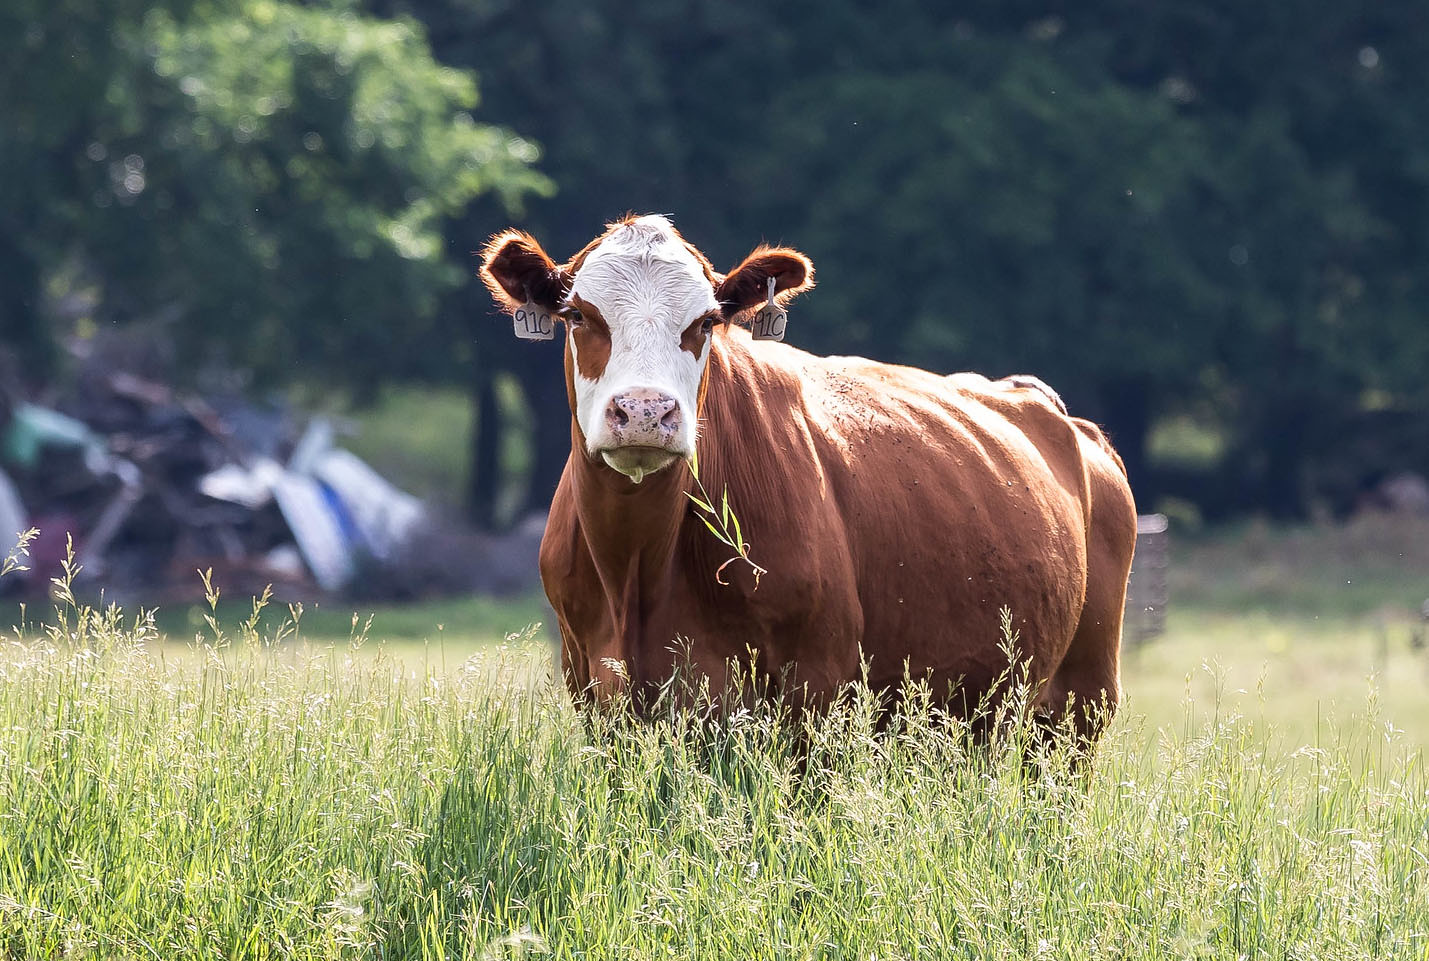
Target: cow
x=890, y=514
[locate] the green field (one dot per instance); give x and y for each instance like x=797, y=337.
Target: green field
x=425, y=792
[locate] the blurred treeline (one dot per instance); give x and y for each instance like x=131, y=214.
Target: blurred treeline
x=1205, y=221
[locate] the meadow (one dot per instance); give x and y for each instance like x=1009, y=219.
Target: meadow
x=426, y=792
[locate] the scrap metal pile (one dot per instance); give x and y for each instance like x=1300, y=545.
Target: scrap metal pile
x=154, y=486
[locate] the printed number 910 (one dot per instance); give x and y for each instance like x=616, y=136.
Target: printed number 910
x=532, y=323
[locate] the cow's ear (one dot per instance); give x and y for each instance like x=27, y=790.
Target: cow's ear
x=515, y=269
x=748, y=284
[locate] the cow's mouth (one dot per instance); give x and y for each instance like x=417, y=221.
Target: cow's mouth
x=636, y=462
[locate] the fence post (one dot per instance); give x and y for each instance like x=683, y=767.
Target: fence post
x=1146, y=591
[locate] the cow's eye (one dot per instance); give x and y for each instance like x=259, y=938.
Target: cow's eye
x=708, y=324
x=573, y=317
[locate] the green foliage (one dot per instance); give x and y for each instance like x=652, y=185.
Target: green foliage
x=1163, y=208
x=446, y=631
x=1015, y=205
x=268, y=178
x=332, y=804
x=256, y=795
x=1375, y=564
x=1200, y=208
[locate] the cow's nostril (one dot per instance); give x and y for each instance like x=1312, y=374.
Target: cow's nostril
x=620, y=417
x=671, y=420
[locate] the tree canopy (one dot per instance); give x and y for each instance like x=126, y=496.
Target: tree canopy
x=270, y=180
x=1196, y=211
x=1166, y=209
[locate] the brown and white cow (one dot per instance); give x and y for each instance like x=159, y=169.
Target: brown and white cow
x=896, y=511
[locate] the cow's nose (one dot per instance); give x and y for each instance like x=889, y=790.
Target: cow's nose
x=643, y=417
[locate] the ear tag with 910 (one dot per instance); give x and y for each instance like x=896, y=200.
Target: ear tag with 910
x=770, y=321
x=531, y=322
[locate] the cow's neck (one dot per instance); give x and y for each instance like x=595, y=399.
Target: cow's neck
x=633, y=531
x=630, y=529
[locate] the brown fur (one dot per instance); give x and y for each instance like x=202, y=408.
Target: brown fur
x=515, y=268
x=693, y=337
x=592, y=341
x=896, y=513
x=747, y=286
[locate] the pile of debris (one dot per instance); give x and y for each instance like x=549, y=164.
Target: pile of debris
x=154, y=486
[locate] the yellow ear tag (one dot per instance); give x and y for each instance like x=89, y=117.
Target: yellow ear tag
x=531, y=322
x=770, y=321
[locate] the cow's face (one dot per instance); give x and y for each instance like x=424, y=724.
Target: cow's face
x=641, y=307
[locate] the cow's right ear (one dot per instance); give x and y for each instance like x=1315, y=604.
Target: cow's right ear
x=516, y=270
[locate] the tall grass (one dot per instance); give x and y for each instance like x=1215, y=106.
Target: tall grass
x=234, y=803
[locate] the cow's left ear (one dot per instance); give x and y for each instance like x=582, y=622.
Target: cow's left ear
x=748, y=284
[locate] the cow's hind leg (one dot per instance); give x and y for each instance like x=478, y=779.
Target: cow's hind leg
x=1088, y=678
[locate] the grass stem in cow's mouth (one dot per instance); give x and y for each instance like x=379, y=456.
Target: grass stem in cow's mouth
x=720, y=525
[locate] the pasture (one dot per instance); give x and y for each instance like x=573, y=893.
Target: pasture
x=423, y=792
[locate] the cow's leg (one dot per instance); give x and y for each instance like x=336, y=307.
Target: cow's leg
x=1088, y=677
x=1087, y=682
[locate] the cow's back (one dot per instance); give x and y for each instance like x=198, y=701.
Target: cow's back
x=960, y=497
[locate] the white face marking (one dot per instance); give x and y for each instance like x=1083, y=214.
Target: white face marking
x=649, y=288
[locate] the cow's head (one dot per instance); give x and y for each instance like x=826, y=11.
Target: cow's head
x=641, y=306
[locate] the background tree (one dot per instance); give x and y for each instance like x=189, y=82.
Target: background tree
x=1167, y=209
x=1319, y=166
x=268, y=180
x=1194, y=211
